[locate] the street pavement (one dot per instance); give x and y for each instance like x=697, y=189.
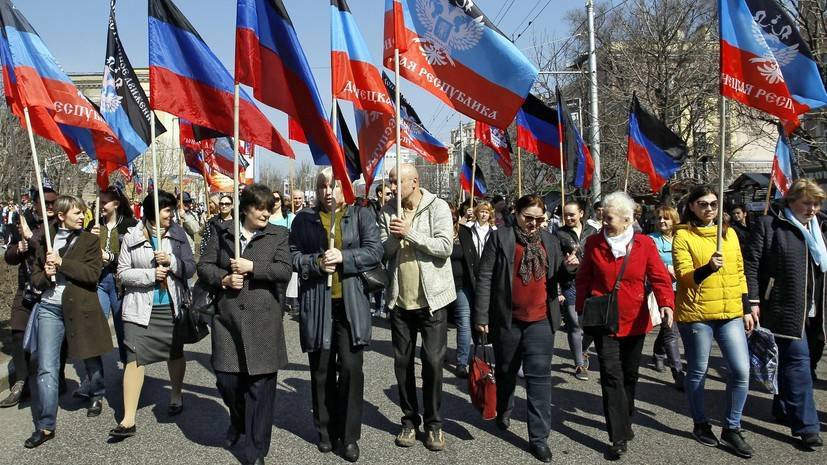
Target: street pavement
x=661, y=425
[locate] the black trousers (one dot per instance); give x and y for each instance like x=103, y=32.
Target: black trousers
x=405, y=325
x=20, y=358
x=338, y=383
x=619, y=363
x=530, y=345
x=251, y=400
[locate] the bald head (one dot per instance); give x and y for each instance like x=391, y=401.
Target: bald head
x=409, y=181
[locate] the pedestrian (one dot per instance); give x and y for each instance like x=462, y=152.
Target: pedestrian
x=418, y=242
x=465, y=259
x=740, y=224
x=785, y=263
x=516, y=303
x=116, y=219
x=25, y=238
x=596, y=221
x=69, y=307
x=572, y=236
x=335, y=321
x=712, y=303
x=298, y=200
x=621, y=255
x=248, y=334
x=666, y=347
x=154, y=277
x=281, y=215
x=224, y=215
x=187, y=217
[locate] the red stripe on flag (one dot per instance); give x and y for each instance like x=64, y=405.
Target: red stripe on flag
x=546, y=153
x=295, y=131
x=210, y=107
x=639, y=159
x=360, y=83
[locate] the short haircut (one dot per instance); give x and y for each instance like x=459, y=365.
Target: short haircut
x=738, y=206
x=46, y=190
x=256, y=195
x=598, y=204
x=621, y=204
x=165, y=200
x=64, y=203
x=528, y=201
x=804, y=189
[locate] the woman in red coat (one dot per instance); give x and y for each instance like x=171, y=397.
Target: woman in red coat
x=619, y=353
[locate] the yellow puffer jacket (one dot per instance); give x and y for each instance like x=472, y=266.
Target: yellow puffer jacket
x=719, y=296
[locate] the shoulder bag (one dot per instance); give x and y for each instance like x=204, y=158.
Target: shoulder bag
x=600, y=313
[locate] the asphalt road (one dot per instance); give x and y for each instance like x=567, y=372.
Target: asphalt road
x=662, y=426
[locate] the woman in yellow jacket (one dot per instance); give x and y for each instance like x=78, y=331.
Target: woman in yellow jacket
x=711, y=303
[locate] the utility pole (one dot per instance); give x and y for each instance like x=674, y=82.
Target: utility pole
x=595, y=142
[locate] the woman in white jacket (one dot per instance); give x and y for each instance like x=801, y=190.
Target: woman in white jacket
x=155, y=283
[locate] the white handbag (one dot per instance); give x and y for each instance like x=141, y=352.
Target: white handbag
x=654, y=309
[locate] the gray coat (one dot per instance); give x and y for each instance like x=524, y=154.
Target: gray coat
x=361, y=251
x=248, y=334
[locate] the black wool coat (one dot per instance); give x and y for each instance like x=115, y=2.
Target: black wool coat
x=780, y=274
x=248, y=333
x=496, y=271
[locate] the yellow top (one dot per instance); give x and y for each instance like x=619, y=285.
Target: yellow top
x=336, y=288
x=411, y=294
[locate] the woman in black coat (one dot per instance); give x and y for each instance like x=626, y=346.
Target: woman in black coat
x=521, y=318
x=335, y=321
x=785, y=262
x=248, y=335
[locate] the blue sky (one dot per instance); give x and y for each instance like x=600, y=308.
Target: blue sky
x=75, y=32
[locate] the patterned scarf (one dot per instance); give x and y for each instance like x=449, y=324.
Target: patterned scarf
x=534, y=257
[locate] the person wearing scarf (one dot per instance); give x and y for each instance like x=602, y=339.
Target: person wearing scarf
x=618, y=247
x=517, y=308
x=785, y=261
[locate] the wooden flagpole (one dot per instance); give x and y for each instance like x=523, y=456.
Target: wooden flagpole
x=236, y=224
x=176, y=146
x=473, y=171
x=39, y=179
x=769, y=190
x=155, y=180
x=291, y=184
x=398, y=133
x=519, y=172
x=562, y=164
x=626, y=177
x=331, y=240
x=721, y=156
x=461, y=159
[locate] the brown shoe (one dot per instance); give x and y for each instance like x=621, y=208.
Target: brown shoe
x=436, y=440
x=406, y=437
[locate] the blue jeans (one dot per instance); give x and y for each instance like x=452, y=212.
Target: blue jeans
x=697, y=343
x=462, y=315
x=50, y=335
x=795, y=384
x=111, y=303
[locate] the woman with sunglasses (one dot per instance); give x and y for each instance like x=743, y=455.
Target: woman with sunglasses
x=712, y=303
x=516, y=303
x=281, y=214
x=225, y=214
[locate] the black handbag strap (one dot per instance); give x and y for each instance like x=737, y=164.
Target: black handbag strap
x=623, y=266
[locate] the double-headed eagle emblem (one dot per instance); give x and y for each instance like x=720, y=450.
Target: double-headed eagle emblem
x=448, y=28
x=778, y=53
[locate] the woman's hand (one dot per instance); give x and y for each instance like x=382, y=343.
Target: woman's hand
x=96, y=230
x=161, y=273
x=241, y=266
x=756, y=310
x=667, y=316
x=233, y=281
x=572, y=262
x=750, y=322
x=482, y=329
x=162, y=258
x=23, y=246
x=716, y=261
x=54, y=259
x=50, y=270
x=332, y=257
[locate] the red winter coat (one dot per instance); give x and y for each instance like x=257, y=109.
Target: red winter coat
x=598, y=272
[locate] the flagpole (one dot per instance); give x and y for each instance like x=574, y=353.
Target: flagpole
x=721, y=175
x=461, y=156
x=236, y=224
x=519, y=172
x=331, y=240
x=98, y=208
x=155, y=181
x=176, y=146
x=473, y=171
x=562, y=172
x=39, y=179
x=398, y=133
x=291, y=185
x=769, y=189
x=626, y=177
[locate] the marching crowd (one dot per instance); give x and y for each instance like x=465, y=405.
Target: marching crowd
x=510, y=277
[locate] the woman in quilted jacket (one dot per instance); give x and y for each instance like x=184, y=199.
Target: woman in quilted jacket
x=711, y=303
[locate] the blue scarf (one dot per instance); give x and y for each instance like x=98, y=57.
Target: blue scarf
x=813, y=237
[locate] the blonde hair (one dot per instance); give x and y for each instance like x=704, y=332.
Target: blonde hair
x=621, y=204
x=804, y=188
x=65, y=203
x=488, y=207
x=669, y=212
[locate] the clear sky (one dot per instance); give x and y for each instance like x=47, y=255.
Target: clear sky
x=75, y=32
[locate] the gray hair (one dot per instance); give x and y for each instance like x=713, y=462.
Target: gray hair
x=621, y=204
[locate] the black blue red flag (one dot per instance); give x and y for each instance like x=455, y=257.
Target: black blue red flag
x=579, y=163
x=538, y=130
x=783, y=168
x=270, y=59
x=480, y=187
x=57, y=109
x=653, y=149
x=351, y=150
x=452, y=50
x=186, y=79
x=765, y=63
x=496, y=140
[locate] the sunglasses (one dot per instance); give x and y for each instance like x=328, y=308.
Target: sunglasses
x=226, y=204
x=533, y=219
x=703, y=205
x=277, y=199
x=388, y=194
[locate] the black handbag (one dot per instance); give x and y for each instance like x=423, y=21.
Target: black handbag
x=192, y=326
x=374, y=280
x=600, y=313
x=203, y=299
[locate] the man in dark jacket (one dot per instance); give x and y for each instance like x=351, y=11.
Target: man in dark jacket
x=572, y=236
x=335, y=320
